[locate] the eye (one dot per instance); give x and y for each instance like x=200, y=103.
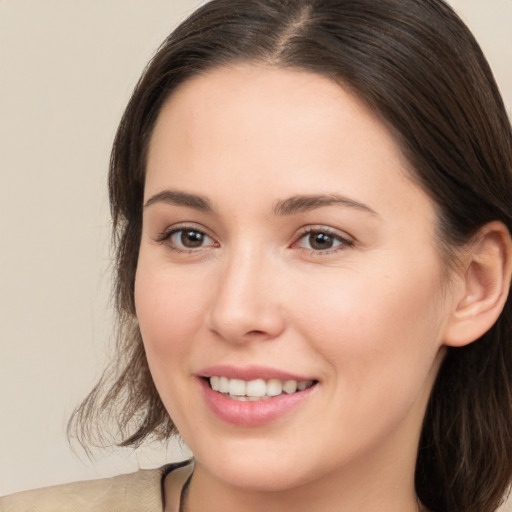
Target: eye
x=186, y=239
x=189, y=238
x=322, y=240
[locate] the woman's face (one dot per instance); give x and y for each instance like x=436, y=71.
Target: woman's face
x=285, y=245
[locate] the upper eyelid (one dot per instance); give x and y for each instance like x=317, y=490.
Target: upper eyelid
x=325, y=229
x=346, y=240
x=182, y=226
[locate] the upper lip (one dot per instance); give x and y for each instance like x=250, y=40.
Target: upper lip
x=248, y=373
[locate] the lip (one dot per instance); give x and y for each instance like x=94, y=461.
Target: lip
x=251, y=414
x=251, y=373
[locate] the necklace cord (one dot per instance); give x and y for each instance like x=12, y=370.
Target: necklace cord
x=184, y=492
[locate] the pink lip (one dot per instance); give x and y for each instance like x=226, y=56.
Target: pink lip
x=250, y=373
x=251, y=414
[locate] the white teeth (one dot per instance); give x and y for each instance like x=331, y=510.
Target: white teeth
x=301, y=386
x=214, y=383
x=290, y=386
x=236, y=387
x=274, y=387
x=224, y=385
x=258, y=389
x=248, y=398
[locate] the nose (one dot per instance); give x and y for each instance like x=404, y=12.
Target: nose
x=245, y=305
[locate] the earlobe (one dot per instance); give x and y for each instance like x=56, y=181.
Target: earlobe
x=484, y=286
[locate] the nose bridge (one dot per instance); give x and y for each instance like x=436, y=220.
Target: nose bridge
x=245, y=305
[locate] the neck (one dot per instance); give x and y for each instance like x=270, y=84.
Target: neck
x=350, y=490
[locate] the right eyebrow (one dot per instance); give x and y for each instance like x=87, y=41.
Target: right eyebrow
x=303, y=203
x=178, y=198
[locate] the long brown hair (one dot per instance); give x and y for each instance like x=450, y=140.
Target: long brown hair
x=416, y=66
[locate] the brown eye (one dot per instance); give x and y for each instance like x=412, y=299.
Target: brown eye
x=190, y=239
x=319, y=241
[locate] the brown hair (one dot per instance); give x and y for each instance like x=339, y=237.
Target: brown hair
x=415, y=65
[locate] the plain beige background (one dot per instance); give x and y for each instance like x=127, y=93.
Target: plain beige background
x=66, y=71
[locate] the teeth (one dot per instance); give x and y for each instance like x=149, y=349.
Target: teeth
x=274, y=387
x=256, y=388
x=248, y=398
x=214, y=383
x=236, y=387
x=259, y=389
x=301, y=386
x=223, y=385
x=290, y=386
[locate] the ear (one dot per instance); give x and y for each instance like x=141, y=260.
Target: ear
x=484, y=286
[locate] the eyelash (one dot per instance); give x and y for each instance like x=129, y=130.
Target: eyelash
x=342, y=242
x=167, y=235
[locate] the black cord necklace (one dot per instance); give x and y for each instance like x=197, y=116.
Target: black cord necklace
x=183, y=493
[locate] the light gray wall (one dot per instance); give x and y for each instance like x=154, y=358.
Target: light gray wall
x=66, y=70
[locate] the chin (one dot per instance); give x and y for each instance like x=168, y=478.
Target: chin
x=259, y=476
x=259, y=465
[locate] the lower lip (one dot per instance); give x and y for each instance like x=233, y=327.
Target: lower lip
x=252, y=414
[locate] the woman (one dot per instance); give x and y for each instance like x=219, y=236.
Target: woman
x=312, y=208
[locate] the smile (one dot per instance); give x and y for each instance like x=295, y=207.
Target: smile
x=253, y=396
x=257, y=389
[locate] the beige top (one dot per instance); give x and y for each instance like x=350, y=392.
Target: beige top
x=135, y=492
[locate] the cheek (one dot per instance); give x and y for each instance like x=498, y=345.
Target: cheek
x=168, y=310
x=381, y=342
x=374, y=325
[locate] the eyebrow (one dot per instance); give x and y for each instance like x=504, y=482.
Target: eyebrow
x=303, y=203
x=290, y=206
x=178, y=198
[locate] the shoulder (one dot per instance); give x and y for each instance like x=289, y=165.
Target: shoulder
x=137, y=492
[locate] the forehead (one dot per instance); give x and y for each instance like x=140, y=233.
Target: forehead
x=265, y=111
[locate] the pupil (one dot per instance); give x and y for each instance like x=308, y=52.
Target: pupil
x=320, y=241
x=192, y=238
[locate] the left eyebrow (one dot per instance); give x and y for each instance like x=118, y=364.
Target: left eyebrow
x=178, y=198
x=303, y=203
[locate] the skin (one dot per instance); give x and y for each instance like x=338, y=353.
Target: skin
x=366, y=318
